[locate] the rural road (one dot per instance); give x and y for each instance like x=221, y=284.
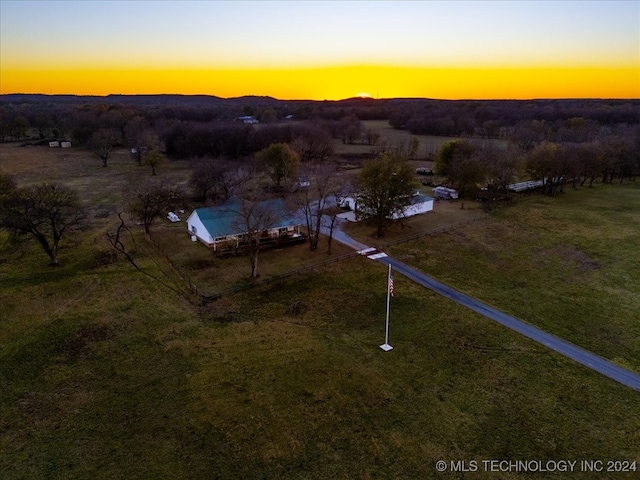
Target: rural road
x=584, y=357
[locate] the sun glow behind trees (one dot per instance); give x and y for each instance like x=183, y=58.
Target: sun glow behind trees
x=336, y=82
x=306, y=50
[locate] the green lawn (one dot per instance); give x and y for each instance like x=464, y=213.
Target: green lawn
x=569, y=264
x=106, y=373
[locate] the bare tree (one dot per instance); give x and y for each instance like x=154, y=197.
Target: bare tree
x=102, y=142
x=147, y=200
x=117, y=241
x=340, y=192
x=205, y=176
x=139, y=137
x=313, y=144
x=545, y=161
x=331, y=213
x=253, y=215
x=46, y=212
x=503, y=165
x=233, y=182
x=254, y=219
x=315, y=199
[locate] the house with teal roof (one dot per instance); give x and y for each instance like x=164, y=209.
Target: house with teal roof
x=224, y=227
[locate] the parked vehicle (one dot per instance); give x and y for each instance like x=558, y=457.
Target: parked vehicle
x=444, y=193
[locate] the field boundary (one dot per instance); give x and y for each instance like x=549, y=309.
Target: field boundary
x=435, y=231
x=205, y=298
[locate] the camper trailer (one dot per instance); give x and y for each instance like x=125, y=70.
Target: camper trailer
x=444, y=193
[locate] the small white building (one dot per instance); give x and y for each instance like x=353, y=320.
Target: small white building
x=419, y=204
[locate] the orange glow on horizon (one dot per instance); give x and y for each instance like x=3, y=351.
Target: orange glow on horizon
x=334, y=83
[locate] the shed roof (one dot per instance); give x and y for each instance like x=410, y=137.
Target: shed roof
x=420, y=198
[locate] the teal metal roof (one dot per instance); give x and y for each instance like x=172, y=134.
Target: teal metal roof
x=420, y=198
x=226, y=219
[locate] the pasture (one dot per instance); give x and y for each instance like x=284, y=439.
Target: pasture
x=568, y=264
x=106, y=373
x=428, y=145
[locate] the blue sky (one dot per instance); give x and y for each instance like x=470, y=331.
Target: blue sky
x=285, y=33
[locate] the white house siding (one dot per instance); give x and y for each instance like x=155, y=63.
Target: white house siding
x=416, y=209
x=409, y=211
x=196, y=227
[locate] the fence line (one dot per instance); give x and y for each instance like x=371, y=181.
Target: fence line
x=435, y=231
x=205, y=298
x=185, y=278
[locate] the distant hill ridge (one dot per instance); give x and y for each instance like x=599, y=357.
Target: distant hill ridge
x=210, y=100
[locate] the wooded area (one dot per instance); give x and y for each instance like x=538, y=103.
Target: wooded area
x=488, y=144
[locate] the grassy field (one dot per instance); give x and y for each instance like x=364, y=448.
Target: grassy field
x=106, y=373
x=568, y=264
x=428, y=144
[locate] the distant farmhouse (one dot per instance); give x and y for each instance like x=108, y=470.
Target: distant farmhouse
x=419, y=204
x=222, y=228
x=247, y=119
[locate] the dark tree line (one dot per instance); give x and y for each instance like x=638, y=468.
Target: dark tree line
x=194, y=126
x=584, y=141
x=498, y=118
x=468, y=166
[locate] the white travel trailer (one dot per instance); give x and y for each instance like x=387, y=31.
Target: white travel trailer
x=445, y=193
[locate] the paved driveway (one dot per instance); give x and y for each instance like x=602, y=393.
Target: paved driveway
x=584, y=357
x=563, y=347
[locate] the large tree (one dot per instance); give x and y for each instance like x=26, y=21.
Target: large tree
x=461, y=162
x=215, y=179
x=451, y=152
x=385, y=187
x=503, y=165
x=546, y=162
x=45, y=211
x=280, y=161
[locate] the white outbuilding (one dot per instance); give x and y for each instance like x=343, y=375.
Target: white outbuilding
x=419, y=204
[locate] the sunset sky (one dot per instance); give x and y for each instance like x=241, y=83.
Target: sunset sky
x=323, y=50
